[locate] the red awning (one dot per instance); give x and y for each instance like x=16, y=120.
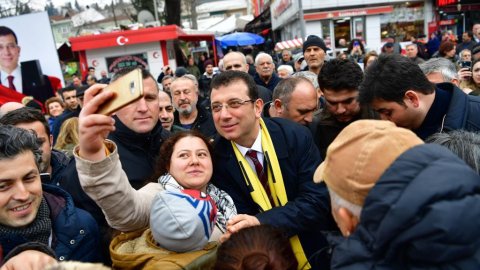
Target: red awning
x=289, y=44
x=129, y=37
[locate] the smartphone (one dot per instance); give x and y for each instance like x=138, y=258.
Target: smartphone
x=127, y=89
x=355, y=43
x=466, y=64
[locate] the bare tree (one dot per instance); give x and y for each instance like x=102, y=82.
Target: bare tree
x=191, y=5
x=14, y=8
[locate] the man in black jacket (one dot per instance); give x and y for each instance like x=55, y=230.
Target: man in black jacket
x=189, y=114
x=399, y=91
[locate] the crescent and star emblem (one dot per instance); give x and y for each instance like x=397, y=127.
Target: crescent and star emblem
x=121, y=40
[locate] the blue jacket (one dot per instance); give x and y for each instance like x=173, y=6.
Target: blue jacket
x=464, y=110
x=75, y=232
x=308, y=210
x=423, y=213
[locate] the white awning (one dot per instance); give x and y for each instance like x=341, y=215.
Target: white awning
x=289, y=44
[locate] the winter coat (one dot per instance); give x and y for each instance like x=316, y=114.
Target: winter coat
x=421, y=214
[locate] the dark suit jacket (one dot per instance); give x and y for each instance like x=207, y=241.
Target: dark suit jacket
x=308, y=211
x=38, y=92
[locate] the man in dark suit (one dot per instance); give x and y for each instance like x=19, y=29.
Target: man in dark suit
x=13, y=76
x=290, y=200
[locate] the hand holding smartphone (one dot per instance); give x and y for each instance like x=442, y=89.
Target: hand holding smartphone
x=126, y=89
x=466, y=64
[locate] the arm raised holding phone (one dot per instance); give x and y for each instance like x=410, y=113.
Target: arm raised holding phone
x=93, y=127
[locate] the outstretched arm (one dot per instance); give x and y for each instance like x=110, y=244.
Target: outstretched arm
x=100, y=172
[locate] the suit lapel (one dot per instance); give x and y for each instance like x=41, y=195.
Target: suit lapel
x=231, y=164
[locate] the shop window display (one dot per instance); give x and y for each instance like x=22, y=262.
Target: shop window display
x=404, y=22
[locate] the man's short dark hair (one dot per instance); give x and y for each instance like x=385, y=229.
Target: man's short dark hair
x=229, y=77
x=285, y=88
x=15, y=141
x=5, y=31
x=470, y=34
x=390, y=77
x=67, y=89
x=25, y=115
x=145, y=74
x=337, y=75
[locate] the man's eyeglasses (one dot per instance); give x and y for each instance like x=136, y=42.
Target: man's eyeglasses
x=9, y=47
x=234, y=104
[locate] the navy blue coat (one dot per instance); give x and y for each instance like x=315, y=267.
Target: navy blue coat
x=463, y=111
x=423, y=213
x=75, y=232
x=308, y=210
x=271, y=84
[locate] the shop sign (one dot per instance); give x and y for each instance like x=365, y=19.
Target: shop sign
x=117, y=63
x=282, y=6
x=347, y=13
x=447, y=22
x=441, y=3
x=283, y=11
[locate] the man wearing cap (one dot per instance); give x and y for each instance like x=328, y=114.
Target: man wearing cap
x=399, y=203
x=388, y=48
x=298, y=60
x=266, y=166
x=265, y=68
x=314, y=50
x=339, y=81
x=398, y=90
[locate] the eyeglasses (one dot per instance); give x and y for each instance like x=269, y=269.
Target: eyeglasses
x=233, y=104
x=9, y=46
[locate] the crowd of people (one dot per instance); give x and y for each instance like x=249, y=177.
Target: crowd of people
x=361, y=162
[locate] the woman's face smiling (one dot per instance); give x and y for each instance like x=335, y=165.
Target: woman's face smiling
x=191, y=163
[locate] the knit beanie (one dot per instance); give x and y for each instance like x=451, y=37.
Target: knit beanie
x=182, y=220
x=313, y=40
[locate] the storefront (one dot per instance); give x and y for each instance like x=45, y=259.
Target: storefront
x=371, y=24
x=455, y=15
x=151, y=48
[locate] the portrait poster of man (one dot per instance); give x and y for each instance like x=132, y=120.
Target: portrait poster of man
x=29, y=64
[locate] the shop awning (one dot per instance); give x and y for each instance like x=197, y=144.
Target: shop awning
x=130, y=37
x=289, y=44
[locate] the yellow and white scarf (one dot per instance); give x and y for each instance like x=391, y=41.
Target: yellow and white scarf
x=275, y=182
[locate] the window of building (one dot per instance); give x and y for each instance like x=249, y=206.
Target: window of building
x=405, y=21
